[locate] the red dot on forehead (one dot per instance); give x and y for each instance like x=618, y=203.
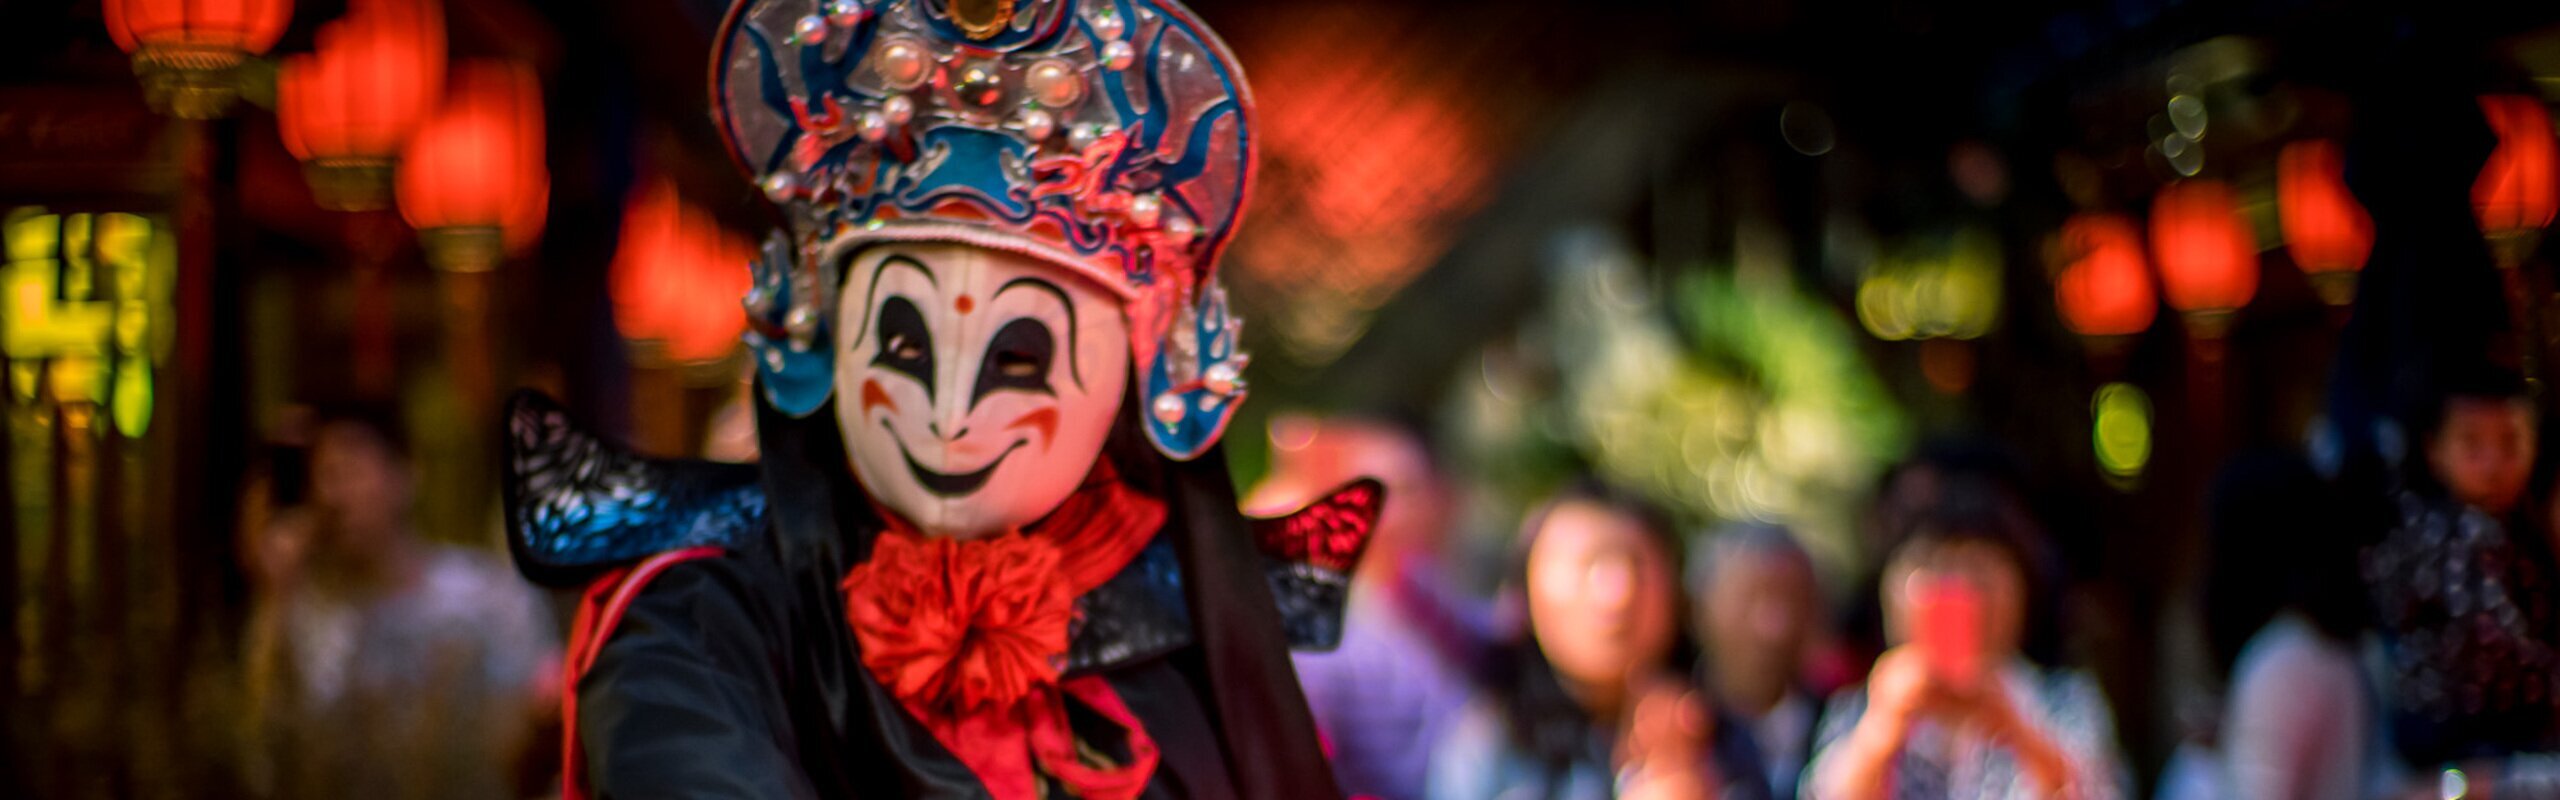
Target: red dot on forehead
x=963, y=304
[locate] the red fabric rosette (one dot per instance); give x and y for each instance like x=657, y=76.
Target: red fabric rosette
x=970, y=636
x=960, y=626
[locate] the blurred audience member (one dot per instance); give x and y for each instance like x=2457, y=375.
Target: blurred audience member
x=1387, y=693
x=1758, y=606
x=386, y=666
x=2479, y=440
x=2285, y=612
x=2463, y=594
x=1952, y=710
x=1984, y=476
x=1591, y=702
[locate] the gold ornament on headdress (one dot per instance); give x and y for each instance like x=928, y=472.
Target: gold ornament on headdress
x=982, y=19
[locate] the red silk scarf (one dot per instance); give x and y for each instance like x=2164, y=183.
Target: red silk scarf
x=970, y=636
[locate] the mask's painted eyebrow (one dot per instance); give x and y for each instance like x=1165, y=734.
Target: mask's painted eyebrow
x=1075, y=366
x=863, y=331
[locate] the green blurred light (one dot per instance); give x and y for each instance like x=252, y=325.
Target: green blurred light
x=32, y=234
x=2122, y=429
x=79, y=280
x=132, y=403
x=1930, y=289
x=1970, y=285
x=1880, y=307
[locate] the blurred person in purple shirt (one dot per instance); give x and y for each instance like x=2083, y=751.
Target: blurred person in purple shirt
x=1388, y=692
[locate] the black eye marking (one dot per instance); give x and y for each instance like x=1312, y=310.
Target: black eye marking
x=1018, y=357
x=873, y=290
x=1075, y=369
x=905, y=344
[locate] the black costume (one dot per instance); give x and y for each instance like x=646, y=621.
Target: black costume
x=897, y=602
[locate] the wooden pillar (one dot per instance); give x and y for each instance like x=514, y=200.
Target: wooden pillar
x=208, y=421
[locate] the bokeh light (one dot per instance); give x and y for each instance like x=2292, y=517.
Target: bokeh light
x=2120, y=429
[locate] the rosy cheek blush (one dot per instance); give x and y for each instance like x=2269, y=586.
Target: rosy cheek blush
x=1044, y=420
x=874, y=396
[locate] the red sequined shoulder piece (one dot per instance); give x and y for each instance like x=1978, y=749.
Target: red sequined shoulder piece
x=1328, y=534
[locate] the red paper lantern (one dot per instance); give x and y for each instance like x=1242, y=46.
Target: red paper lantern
x=472, y=181
x=677, y=276
x=2518, y=189
x=347, y=108
x=2106, y=289
x=188, y=52
x=2328, y=233
x=2208, y=255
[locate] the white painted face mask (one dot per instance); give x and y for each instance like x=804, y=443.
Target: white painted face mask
x=974, y=387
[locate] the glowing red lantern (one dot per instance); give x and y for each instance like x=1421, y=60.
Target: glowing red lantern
x=189, y=52
x=347, y=108
x=2208, y=255
x=677, y=276
x=2105, y=290
x=2519, y=189
x=2328, y=233
x=472, y=181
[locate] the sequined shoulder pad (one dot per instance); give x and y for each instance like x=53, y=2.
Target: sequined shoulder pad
x=1308, y=557
x=578, y=505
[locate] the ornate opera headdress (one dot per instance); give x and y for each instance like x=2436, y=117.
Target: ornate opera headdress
x=1109, y=137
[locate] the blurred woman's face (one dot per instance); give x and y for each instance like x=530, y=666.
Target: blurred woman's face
x=2484, y=452
x=1981, y=567
x=1601, y=595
